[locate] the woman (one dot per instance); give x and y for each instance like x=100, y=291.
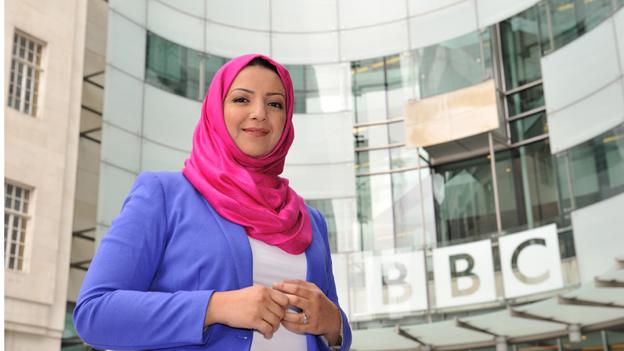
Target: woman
x=225, y=255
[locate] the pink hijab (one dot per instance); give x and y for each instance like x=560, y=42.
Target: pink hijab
x=244, y=189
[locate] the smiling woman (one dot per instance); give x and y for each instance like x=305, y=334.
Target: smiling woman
x=254, y=110
x=224, y=255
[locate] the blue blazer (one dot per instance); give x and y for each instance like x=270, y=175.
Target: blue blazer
x=150, y=282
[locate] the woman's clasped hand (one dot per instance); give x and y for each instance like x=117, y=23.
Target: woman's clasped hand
x=265, y=309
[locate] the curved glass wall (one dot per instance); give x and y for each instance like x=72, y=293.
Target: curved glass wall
x=187, y=72
x=531, y=183
x=398, y=204
x=174, y=68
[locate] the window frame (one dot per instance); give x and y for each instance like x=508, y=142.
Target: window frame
x=23, y=237
x=18, y=102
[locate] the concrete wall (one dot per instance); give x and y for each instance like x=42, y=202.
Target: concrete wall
x=42, y=152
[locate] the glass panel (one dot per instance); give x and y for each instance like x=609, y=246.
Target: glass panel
x=326, y=208
x=542, y=345
x=372, y=161
x=401, y=80
x=450, y=65
x=307, y=87
x=566, y=244
x=396, y=133
x=402, y=157
x=372, y=136
x=212, y=65
x=172, y=67
x=528, y=127
x=520, y=46
x=597, y=167
x=464, y=200
x=616, y=337
x=374, y=211
x=572, y=18
x=361, y=162
x=17, y=199
x=486, y=42
x=589, y=342
x=368, y=84
x=297, y=74
x=525, y=100
x=527, y=186
x=407, y=206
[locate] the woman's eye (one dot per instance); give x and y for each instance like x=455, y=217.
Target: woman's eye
x=239, y=99
x=276, y=105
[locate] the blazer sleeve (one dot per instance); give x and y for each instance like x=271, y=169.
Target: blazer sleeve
x=332, y=295
x=115, y=309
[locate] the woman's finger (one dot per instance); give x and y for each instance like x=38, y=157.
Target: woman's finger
x=279, y=298
x=272, y=320
x=265, y=329
x=298, y=301
x=292, y=317
x=276, y=310
x=298, y=288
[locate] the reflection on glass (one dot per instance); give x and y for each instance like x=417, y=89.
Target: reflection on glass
x=614, y=336
x=374, y=211
x=589, y=341
x=402, y=157
x=566, y=244
x=525, y=100
x=400, y=82
x=528, y=127
x=326, y=208
x=573, y=18
x=172, y=67
x=372, y=161
x=212, y=65
x=305, y=87
x=527, y=186
x=464, y=200
x=520, y=39
x=372, y=136
x=541, y=345
x=451, y=65
x=368, y=84
x=408, y=211
x=396, y=133
x=486, y=42
x=597, y=167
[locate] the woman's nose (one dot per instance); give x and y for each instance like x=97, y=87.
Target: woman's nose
x=258, y=111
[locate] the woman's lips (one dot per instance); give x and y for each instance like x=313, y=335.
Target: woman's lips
x=256, y=131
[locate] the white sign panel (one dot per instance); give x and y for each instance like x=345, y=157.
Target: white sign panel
x=396, y=282
x=464, y=274
x=530, y=261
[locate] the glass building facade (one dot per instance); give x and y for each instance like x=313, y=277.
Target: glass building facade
x=535, y=187
x=387, y=197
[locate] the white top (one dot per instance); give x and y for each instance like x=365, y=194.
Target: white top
x=272, y=264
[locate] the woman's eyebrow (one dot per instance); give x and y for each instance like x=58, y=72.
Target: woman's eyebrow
x=251, y=92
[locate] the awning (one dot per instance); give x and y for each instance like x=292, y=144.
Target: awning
x=593, y=306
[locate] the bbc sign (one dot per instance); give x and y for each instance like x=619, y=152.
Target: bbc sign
x=463, y=274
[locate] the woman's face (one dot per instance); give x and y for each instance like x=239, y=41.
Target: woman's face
x=255, y=110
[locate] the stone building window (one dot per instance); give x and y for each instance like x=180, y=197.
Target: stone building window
x=26, y=72
x=16, y=222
